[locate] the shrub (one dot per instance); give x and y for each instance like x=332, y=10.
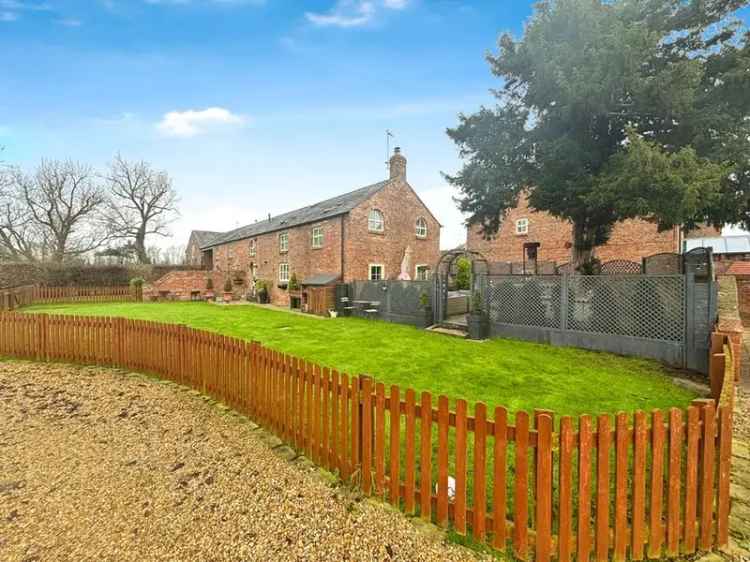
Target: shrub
x=209, y=283
x=228, y=285
x=137, y=282
x=463, y=275
x=293, y=284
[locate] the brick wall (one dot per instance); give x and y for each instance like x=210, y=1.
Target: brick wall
x=630, y=240
x=303, y=259
x=400, y=207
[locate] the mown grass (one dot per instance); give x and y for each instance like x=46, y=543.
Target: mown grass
x=516, y=374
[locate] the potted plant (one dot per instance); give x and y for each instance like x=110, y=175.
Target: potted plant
x=424, y=304
x=261, y=289
x=228, y=290
x=478, y=323
x=209, y=288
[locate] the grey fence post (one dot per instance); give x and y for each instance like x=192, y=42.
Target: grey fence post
x=564, y=302
x=388, y=285
x=689, y=345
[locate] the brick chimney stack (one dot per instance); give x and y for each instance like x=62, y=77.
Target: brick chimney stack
x=398, y=164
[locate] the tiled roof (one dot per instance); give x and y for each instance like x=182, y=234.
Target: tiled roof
x=739, y=268
x=204, y=237
x=335, y=206
x=321, y=279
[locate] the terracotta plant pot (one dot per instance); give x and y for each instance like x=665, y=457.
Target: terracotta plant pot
x=228, y=297
x=209, y=295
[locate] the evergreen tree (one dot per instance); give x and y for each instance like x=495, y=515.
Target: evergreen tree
x=615, y=110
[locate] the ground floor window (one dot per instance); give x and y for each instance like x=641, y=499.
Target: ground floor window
x=283, y=272
x=422, y=272
x=377, y=272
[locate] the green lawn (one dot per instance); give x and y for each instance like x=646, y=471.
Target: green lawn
x=516, y=374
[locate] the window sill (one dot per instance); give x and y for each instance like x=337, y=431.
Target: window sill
x=377, y=232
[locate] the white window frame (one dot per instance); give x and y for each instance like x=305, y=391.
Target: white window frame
x=253, y=248
x=416, y=271
x=522, y=226
x=370, y=221
x=421, y=232
x=317, y=237
x=284, y=268
x=369, y=271
x=284, y=242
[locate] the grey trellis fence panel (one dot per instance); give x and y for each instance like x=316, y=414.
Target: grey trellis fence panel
x=665, y=317
x=399, y=301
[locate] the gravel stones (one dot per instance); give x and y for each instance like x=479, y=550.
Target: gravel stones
x=101, y=464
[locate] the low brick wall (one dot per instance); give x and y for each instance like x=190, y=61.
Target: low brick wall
x=729, y=322
x=183, y=284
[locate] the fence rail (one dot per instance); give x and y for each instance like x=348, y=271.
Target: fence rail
x=11, y=299
x=605, y=487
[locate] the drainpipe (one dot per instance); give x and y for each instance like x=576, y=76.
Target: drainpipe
x=342, y=247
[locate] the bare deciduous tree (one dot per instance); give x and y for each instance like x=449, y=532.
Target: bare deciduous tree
x=61, y=202
x=142, y=203
x=18, y=240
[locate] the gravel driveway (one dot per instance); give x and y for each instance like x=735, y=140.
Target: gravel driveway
x=102, y=464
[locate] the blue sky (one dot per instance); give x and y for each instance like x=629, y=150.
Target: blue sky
x=252, y=106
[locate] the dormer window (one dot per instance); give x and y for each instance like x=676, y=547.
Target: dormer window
x=375, y=222
x=421, y=228
x=522, y=226
x=284, y=242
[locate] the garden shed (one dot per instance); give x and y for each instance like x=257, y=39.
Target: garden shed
x=318, y=293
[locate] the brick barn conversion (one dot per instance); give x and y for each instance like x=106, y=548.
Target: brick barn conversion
x=363, y=234
x=533, y=237
x=198, y=238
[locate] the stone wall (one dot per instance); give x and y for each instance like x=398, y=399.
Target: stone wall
x=61, y=275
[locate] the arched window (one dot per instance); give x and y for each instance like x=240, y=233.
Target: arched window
x=375, y=221
x=421, y=228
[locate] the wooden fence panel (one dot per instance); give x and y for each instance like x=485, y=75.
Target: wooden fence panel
x=677, y=473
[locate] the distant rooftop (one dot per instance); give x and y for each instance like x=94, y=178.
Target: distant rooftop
x=739, y=244
x=204, y=237
x=335, y=206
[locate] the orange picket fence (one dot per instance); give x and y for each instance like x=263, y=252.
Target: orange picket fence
x=646, y=485
x=11, y=299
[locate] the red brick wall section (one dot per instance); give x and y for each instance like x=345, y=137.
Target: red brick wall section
x=401, y=207
x=181, y=284
x=303, y=259
x=193, y=255
x=630, y=240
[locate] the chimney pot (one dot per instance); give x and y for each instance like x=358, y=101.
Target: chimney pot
x=397, y=164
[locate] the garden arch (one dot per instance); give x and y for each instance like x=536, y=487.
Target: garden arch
x=443, y=268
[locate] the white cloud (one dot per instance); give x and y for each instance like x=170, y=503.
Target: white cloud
x=194, y=122
x=346, y=13
x=353, y=13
